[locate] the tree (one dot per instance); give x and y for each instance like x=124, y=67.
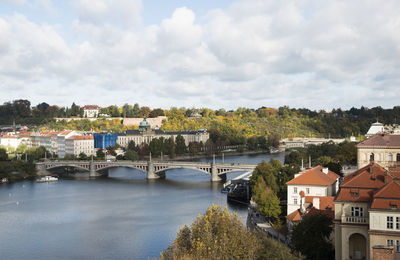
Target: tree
x=131, y=155
x=3, y=154
x=317, y=229
x=144, y=112
x=180, y=145
x=215, y=235
x=82, y=156
x=194, y=148
x=171, y=145
x=100, y=154
x=268, y=172
x=132, y=146
x=266, y=199
x=156, y=112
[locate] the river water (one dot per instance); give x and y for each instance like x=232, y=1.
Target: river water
x=123, y=216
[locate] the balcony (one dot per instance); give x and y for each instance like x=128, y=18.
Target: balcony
x=355, y=220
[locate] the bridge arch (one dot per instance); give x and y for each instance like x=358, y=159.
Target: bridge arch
x=144, y=170
x=180, y=167
x=68, y=165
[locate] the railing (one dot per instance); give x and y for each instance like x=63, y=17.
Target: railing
x=355, y=220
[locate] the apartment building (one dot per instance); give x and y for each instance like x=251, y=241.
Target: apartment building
x=78, y=144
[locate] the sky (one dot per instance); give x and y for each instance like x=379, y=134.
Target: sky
x=216, y=54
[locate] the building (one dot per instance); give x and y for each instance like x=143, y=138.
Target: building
x=75, y=145
x=155, y=122
x=12, y=140
x=104, y=140
x=315, y=182
x=374, y=129
x=145, y=134
x=61, y=142
x=381, y=148
x=311, y=205
x=91, y=111
x=367, y=214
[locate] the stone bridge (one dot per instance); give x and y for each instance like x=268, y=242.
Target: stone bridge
x=153, y=169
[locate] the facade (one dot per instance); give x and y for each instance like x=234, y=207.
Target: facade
x=103, y=141
x=367, y=214
x=315, y=182
x=75, y=145
x=155, y=122
x=91, y=111
x=145, y=134
x=382, y=148
x=61, y=142
x=13, y=140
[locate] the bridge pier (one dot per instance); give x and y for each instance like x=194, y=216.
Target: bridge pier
x=92, y=170
x=151, y=175
x=41, y=170
x=214, y=173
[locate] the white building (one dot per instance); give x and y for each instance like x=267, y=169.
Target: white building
x=13, y=140
x=75, y=145
x=375, y=128
x=315, y=182
x=61, y=139
x=91, y=111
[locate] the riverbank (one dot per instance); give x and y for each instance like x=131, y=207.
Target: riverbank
x=226, y=154
x=15, y=171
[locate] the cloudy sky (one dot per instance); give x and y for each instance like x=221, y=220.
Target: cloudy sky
x=209, y=53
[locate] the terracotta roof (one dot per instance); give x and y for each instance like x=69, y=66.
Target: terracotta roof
x=81, y=137
x=386, y=204
x=390, y=190
x=371, y=176
x=91, y=107
x=315, y=176
x=324, y=202
x=327, y=212
x=382, y=140
x=294, y=216
x=355, y=194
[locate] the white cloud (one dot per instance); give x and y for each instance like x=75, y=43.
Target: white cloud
x=297, y=53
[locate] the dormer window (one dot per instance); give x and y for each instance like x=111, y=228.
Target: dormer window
x=354, y=193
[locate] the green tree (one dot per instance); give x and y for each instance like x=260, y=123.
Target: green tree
x=82, y=156
x=172, y=148
x=131, y=155
x=3, y=154
x=317, y=229
x=268, y=172
x=132, y=146
x=156, y=112
x=180, y=145
x=100, y=154
x=266, y=199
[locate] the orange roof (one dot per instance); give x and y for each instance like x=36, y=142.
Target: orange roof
x=294, y=216
x=388, y=197
x=371, y=176
x=81, y=137
x=91, y=107
x=324, y=202
x=381, y=140
x=315, y=176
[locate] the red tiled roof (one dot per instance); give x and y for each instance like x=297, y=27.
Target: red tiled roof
x=385, y=204
x=371, y=176
x=81, y=137
x=315, y=176
x=355, y=194
x=324, y=202
x=294, y=216
x=382, y=140
x=91, y=107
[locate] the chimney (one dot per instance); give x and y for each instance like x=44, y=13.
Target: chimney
x=315, y=202
x=325, y=170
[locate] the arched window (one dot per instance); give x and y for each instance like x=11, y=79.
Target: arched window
x=398, y=157
x=390, y=157
x=372, y=157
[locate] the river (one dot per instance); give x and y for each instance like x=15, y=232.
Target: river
x=123, y=216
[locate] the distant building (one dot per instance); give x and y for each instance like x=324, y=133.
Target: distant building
x=315, y=182
x=374, y=129
x=76, y=145
x=145, y=134
x=14, y=139
x=155, y=122
x=381, y=148
x=104, y=140
x=91, y=111
x=367, y=214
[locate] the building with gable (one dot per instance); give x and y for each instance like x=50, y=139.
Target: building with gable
x=367, y=214
x=314, y=182
x=91, y=111
x=381, y=148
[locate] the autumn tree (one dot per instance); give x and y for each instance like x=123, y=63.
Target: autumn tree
x=266, y=199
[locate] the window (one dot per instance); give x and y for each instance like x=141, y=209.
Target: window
x=295, y=201
x=389, y=242
x=295, y=190
x=397, y=246
x=372, y=157
x=398, y=157
x=389, y=222
x=397, y=222
x=357, y=211
x=308, y=190
x=390, y=157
